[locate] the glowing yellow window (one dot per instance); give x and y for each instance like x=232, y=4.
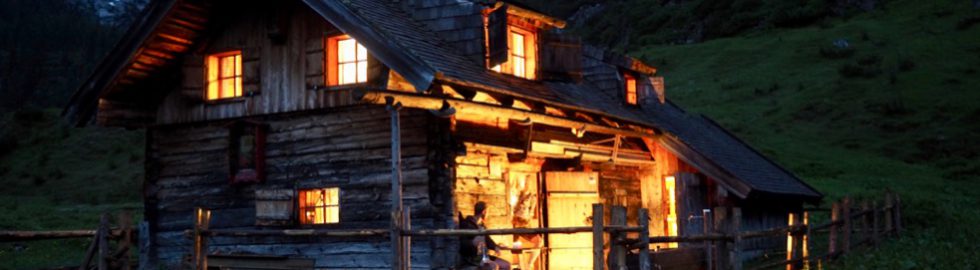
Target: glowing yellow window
x=346, y=61
x=670, y=186
x=224, y=75
x=630, y=89
x=521, y=60
x=319, y=206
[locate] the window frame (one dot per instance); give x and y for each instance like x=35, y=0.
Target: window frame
x=213, y=62
x=530, y=53
x=331, y=64
x=630, y=80
x=301, y=209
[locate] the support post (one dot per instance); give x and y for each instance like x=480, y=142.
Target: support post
x=721, y=247
x=406, y=254
x=644, y=256
x=834, y=228
x=598, y=262
x=396, y=185
x=847, y=226
x=617, y=252
x=708, y=247
x=736, y=254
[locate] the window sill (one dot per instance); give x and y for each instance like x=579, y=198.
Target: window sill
x=351, y=86
x=223, y=101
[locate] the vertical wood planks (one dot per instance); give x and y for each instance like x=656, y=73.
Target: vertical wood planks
x=597, y=241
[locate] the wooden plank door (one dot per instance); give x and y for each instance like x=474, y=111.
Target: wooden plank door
x=570, y=199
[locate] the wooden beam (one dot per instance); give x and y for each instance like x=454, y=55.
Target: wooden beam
x=418, y=101
x=533, y=15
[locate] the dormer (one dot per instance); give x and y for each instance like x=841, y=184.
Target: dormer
x=515, y=40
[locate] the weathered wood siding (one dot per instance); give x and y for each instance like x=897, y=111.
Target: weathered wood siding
x=281, y=74
x=347, y=148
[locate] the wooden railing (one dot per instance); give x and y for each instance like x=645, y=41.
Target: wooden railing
x=722, y=238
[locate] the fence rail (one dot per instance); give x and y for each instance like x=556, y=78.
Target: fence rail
x=722, y=237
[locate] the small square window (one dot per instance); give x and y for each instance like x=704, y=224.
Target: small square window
x=319, y=206
x=224, y=75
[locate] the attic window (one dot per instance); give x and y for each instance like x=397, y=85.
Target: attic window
x=521, y=54
x=346, y=61
x=319, y=206
x=630, y=94
x=224, y=78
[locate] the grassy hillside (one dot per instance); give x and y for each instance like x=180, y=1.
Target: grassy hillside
x=898, y=109
x=53, y=176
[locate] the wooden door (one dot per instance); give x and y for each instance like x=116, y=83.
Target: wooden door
x=570, y=199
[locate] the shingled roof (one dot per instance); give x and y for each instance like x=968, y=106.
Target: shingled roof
x=423, y=57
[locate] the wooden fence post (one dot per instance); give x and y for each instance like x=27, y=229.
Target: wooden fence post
x=122, y=251
x=201, y=224
x=806, y=241
x=721, y=221
x=847, y=226
x=708, y=246
x=834, y=228
x=103, y=262
x=865, y=221
x=597, y=241
x=875, y=224
x=898, y=215
x=617, y=252
x=644, y=222
x=889, y=223
x=736, y=254
x=792, y=241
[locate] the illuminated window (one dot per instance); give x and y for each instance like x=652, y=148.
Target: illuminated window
x=670, y=186
x=319, y=206
x=521, y=61
x=630, y=89
x=224, y=75
x=346, y=61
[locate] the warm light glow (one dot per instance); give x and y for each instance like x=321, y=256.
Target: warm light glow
x=671, y=186
x=789, y=241
x=521, y=54
x=630, y=89
x=346, y=61
x=224, y=75
x=319, y=206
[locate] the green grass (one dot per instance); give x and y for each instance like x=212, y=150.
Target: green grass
x=55, y=177
x=911, y=130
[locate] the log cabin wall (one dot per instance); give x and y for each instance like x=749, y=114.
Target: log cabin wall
x=282, y=45
x=347, y=148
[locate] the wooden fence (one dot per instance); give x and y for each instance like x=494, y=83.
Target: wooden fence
x=850, y=225
x=101, y=254
x=722, y=237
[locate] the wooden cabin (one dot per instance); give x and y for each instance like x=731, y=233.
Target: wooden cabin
x=279, y=115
